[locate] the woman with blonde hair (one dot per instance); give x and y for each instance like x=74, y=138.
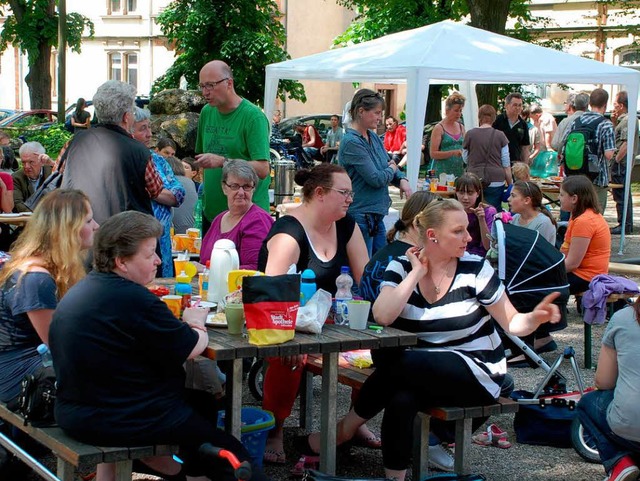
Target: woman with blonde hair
x=447, y=138
x=46, y=260
x=451, y=300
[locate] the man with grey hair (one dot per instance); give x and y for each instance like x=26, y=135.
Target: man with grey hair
x=112, y=168
x=36, y=167
x=575, y=105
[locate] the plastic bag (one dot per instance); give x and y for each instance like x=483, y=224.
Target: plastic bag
x=271, y=308
x=312, y=315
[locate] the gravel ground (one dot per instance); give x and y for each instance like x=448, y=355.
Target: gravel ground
x=519, y=463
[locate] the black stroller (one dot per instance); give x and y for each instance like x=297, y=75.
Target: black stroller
x=530, y=268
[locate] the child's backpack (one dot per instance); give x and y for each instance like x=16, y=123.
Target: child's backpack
x=581, y=149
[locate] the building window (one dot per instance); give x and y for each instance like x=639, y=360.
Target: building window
x=115, y=66
x=630, y=58
x=132, y=69
x=121, y=7
x=124, y=67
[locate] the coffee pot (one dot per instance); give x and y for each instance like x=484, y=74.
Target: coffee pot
x=224, y=259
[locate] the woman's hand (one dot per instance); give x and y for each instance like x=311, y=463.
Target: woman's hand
x=418, y=259
x=456, y=153
x=479, y=212
x=405, y=189
x=295, y=362
x=546, y=311
x=195, y=316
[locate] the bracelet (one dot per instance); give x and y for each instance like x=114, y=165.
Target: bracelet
x=198, y=327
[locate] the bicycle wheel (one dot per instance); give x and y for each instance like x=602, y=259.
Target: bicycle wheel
x=256, y=378
x=583, y=442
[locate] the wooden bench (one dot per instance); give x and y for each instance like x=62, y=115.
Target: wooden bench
x=71, y=453
x=463, y=417
x=588, y=337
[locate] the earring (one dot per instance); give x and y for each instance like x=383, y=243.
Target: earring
x=433, y=239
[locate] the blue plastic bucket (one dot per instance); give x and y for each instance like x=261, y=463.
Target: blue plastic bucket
x=255, y=425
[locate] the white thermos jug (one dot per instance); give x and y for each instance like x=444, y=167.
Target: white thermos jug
x=224, y=259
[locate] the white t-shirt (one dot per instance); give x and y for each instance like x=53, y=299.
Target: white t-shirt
x=541, y=223
x=623, y=335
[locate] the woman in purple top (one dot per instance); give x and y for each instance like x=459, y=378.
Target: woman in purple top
x=480, y=215
x=246, y=224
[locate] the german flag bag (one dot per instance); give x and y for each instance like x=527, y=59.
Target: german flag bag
x=271, y=307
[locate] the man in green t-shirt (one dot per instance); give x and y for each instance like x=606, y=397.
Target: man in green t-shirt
x=230, y=127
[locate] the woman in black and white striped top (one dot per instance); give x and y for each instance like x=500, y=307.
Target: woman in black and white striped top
x=448, y=297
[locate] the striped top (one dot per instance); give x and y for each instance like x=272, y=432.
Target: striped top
x=458, y=322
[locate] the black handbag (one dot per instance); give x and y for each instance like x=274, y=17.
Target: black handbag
x=37, y=398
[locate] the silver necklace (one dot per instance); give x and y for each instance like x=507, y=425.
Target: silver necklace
x=437, y=287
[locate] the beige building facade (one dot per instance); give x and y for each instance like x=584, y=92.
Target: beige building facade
x=128, y=45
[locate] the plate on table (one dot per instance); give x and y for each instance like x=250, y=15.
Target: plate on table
x=208, y=305
x=14, y=214
x=216, y=319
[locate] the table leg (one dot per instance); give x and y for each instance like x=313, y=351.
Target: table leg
x=233, y=424
x=328, y=413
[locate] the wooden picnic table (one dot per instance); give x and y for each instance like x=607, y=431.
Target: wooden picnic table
x=333, y=340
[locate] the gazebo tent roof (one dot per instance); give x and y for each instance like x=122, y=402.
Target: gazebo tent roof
x=448, y=52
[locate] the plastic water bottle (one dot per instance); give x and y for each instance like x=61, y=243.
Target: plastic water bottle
x=307, y=286
x=45, y=355
x=344, y=282
x=197, y=214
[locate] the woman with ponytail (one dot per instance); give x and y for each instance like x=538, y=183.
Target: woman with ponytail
x=399, y=238
x=525, y=202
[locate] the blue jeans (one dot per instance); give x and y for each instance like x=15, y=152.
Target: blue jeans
x=493, y=196
x=592, y=411
x=373, y=231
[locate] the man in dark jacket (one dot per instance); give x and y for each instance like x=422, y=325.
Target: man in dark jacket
x=112, y=168
x=36, y=167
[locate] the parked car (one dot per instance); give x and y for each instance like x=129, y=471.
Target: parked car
x=4, y=113
x=38, y=119
x=322, y=122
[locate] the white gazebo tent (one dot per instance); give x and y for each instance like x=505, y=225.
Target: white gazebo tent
x=449, y=52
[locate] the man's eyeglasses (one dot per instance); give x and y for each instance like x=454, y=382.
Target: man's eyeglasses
x=211, y=85
x=236, y=187
x=345, y=193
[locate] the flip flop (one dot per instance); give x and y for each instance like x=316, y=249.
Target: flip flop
x=274, y=456
x=371, y=441
x=304, y=463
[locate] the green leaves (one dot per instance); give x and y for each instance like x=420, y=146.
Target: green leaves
x=247, y=34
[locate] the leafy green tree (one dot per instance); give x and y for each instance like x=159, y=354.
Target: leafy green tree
x=33, y=27
x=247, y=34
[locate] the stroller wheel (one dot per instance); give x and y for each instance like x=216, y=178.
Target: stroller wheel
x=583, y=442
x=256, y=378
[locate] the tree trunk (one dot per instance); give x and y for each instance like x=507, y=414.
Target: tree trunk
x=489, y=15
x=39, y=79
x=434, y=104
